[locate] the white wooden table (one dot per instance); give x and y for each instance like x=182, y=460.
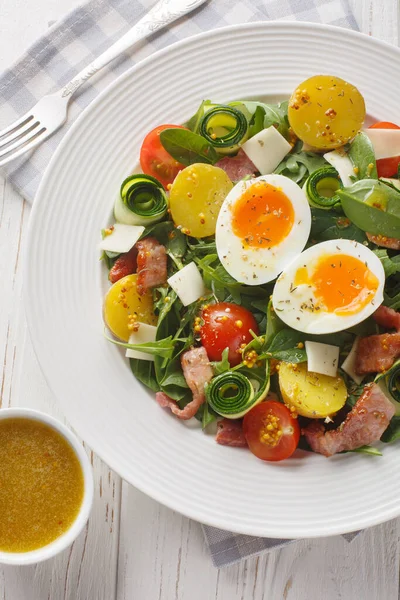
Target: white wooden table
x=133, y=548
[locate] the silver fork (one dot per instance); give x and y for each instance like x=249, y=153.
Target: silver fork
x=51, y=111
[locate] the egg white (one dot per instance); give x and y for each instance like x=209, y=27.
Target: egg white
x=252, y=265
x=288, y=298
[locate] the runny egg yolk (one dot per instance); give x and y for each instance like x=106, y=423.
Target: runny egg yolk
x=341, y=284
x=263, y=216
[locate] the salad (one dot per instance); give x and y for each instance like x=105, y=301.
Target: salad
x=255, y=272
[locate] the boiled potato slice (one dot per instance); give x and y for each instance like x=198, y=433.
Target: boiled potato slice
x=123, y=305
x=326, y=112
x=196, y=197
x=311, y=394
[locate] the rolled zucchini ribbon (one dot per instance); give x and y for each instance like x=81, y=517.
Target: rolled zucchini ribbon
x=142, y=201
x=225, y=128
x=321, y=187
x=232, y=394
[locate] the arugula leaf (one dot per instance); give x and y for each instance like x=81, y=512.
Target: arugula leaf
x=206, y=415
x=360, y=202
x=367, y=450
x=392, y=301
x=274, y=324
x=257, y=121
x=222, y=365
x=176, y=247
x=174, y=375
x=275, y=114
x=328, y=225
x=222, y=284
x=144, y=371
x=194, y=122
x=162, y=348
x=187, y=147
x=391, y=265
x=298, y=165
x=354, y=390
x=177, y=244
x=200, y=247
x=284, y=346
x=392, y=433
x=161, y=231
x=362, y=155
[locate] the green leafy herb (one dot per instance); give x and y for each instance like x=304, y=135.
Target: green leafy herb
x=391, y=265
x=200, y=247
x=162, y=348
x=144, y=371
x=194, y=122
x=299, y=165
x=361, y=154
x=257, y=121
x=222, y=365
x=284, y=346
x=392, y=433
x=372, y=206
x=176, y=247
x=392, y=301
x=274, y=324
x=108, y=257
x=328, y=225
x=187, y=147
x=275, y=114
x=367, y=450
x=206, y=415
x=161, y=231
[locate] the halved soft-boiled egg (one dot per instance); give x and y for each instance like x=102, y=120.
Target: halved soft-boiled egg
x=329, y=287
x=263, y=224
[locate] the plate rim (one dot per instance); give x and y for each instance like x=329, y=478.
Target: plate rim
x=156, y=493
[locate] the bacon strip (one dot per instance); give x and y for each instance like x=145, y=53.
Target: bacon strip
x=197, y=371
x=230, y=433
x=124, y=265
x=387, y=317
x=384, y=242
x=365, y=424
x=377, y=353
x=151, y=264
x=237, y=167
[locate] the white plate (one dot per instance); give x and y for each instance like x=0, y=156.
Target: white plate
x=308, y=495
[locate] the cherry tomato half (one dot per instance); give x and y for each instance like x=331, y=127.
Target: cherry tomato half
x=387, y=167
x=270, y=431
x=155, y=160
x=226, y=325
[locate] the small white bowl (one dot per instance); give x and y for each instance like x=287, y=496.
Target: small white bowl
x=66, y=539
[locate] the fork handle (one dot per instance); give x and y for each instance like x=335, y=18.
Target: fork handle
x=163, y=13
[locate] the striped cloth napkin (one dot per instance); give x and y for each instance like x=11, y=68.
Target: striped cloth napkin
x=71, y=44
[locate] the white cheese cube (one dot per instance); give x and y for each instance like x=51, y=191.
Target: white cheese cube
x=145, y=333
x=343, y=165
x=349, y=364
x=122, y=238
x=188, y=284
x=322, y=358
x=386, y=142
x=267, y=149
